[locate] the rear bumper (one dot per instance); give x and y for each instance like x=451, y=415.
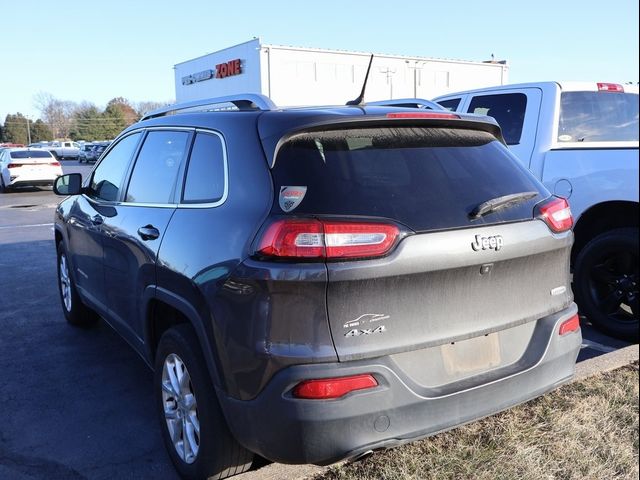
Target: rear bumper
x=288, y=430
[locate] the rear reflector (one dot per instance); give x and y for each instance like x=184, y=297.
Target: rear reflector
x=556, y=214
x=422, y=115
x=328, y=388
x=610, y=87
x=571, y=325
x=310, y=238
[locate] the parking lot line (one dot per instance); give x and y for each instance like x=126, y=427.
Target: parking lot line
x=5, y=227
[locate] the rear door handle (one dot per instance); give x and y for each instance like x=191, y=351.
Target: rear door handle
x=148, y=232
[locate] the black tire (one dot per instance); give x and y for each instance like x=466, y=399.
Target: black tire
x=606, y=283
x=76, y=312
x=218, y=454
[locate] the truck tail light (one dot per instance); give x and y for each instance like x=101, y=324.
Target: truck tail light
x=324, y=239
x=328, y=388
x=422, y=115
x=556, y=214
x=610, y=87
x=571, y=325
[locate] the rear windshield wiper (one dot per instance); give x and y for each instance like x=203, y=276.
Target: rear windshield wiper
x=500, y=202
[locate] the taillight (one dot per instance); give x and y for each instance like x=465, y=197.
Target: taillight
x=14, y=165
x=54, y=164
x=422, y=115
x=328, y=388
x=610, y=87
x=556, y=214
x=310, y=238
x=571, y=325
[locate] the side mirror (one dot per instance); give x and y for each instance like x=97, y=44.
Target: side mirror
x=70, y=184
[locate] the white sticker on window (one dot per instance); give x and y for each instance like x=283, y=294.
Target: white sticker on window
x=290, y=197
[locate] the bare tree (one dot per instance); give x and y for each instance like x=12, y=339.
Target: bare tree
x=56, y=114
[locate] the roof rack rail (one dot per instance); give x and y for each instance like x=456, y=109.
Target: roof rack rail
x=245, y=101
x=408, y=102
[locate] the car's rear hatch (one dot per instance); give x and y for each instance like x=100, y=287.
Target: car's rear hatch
x=452, y=275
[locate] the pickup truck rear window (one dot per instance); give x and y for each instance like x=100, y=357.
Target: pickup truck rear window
x=598, y=117
x=426, y=178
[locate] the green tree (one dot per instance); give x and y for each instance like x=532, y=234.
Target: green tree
x=113, y=120
x=15, y=129
x=88, y=123
x=40, y=131
x=129, y=113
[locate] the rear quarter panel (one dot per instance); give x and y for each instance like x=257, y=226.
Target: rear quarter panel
x=592, y=175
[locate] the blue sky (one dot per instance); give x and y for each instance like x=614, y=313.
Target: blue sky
x=94, y=51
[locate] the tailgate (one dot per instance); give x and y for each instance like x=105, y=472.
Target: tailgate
x=436, y=289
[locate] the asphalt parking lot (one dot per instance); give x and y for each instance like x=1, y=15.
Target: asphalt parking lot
x=78, y=402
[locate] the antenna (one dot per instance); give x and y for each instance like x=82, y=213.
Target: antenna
x=360, y=99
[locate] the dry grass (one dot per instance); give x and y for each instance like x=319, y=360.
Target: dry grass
x=586, y=430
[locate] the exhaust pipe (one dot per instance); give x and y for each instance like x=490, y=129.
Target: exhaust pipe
x=361, y=456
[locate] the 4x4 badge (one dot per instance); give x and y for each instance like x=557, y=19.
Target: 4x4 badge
x=290, y=197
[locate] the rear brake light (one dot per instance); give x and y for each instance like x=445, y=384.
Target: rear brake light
x=14, y=165
x=309, y=238
x=556, y=214
x=328, y=388
x=422, y=115
x=571, y=325
x=610, y=87
x=54, y=164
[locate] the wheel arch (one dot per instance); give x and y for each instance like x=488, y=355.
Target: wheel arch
x=164, y=309
x=600, y=218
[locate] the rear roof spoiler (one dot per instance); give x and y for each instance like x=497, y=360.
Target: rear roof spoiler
x=408, y=103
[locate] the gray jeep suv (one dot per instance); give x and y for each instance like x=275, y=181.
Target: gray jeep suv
x=314, y=284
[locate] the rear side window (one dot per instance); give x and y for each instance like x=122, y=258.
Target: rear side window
x=425, y=178
x=598, y=117
x=205, y=182
x=107, y=179
x=155, y=173
x=451, y=104
x=507, y=109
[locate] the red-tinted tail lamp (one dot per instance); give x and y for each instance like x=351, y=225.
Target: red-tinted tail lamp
x=328, y=388
x=54, y=164
x=610, y=87
x=556, y=214
x=14, y=165
x=422, y=115
x=320, y=239
x=571, y=325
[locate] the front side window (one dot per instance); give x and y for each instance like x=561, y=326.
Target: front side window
x=507, y=109
x=108, y=177
x=205, y=181
x=155, y=173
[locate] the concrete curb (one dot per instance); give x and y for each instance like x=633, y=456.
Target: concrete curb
x=607, y=362
x=586, y=368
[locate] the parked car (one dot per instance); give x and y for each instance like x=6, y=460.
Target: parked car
x=84, y=151
x=313, y=284
x=94, y=152
x=581, y=141
x=27, y=167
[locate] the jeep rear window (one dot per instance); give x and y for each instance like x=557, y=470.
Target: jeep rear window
x=425, y=178
x=598, y=117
